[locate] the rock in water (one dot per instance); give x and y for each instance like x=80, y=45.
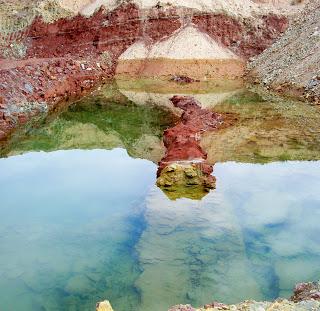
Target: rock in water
x=104, y=306
x=183, y=172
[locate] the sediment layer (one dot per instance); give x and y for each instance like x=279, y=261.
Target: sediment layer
x=197, y=69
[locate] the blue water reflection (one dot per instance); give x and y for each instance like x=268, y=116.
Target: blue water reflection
x=278, y=208
x=80, y=226
x=68, y=222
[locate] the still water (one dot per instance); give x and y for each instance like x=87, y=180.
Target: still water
x=81, y=219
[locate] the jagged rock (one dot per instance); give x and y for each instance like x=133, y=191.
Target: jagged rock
x=183, y=79
x=189, y=180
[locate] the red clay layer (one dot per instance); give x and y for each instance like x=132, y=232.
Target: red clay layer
x=116, y=30
x=244, y=39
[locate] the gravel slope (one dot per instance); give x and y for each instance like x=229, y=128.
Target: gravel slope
x=292, y=64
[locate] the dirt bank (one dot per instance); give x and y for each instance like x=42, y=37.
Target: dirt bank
x=291, y=66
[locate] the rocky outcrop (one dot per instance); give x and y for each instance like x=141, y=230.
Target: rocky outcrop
x=306, y=297
x=35, y=88
x=186, y=180
x=291, y=66
x=183, y=149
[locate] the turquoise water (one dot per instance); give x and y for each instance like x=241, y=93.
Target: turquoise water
x=69, y=223
x=84, y=221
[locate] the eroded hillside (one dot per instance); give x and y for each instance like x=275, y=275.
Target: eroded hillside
x=291, y=65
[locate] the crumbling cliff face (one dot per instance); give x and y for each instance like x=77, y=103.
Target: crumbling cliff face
x=291, y=66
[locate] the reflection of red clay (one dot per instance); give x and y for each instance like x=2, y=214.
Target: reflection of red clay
x=182, y=140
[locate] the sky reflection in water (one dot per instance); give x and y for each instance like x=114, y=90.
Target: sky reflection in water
x=80, y=226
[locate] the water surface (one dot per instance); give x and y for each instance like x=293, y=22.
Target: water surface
x=81, y=219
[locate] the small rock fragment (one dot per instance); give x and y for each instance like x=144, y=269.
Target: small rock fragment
x=104, y=306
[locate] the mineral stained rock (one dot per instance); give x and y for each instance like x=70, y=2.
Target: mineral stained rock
x=183, y=171
x=186, y=180
x=182, y=140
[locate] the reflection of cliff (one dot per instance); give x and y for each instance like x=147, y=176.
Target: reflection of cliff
x=254, y=129
x=258, y=130
x=106, y=120
x=234, y=244
x=264, y=130
x=191, y=252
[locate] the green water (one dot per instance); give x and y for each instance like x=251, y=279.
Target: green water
x=81, y=219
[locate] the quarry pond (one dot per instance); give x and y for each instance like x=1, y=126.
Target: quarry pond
x=82, y=219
